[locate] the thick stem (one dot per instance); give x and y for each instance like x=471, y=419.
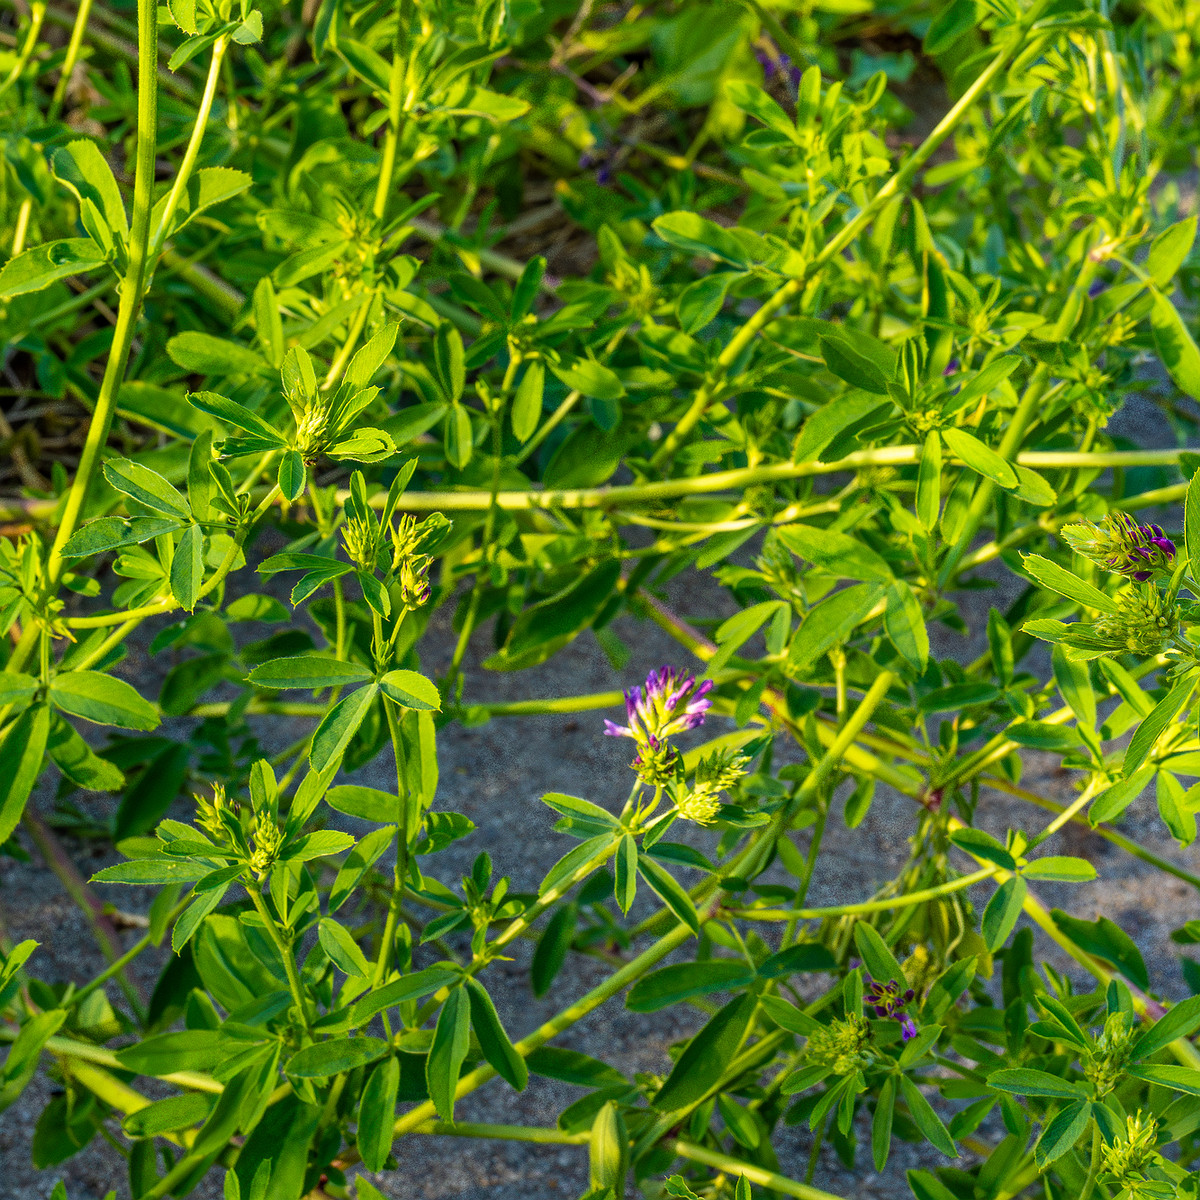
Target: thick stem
x=131, y=286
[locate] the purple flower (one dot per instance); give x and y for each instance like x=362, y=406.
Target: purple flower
x=888, y=1002
x=1121, y=545
x=951, y=367
x=671, y=702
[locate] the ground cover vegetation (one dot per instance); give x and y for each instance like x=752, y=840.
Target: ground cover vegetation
x=527, y=309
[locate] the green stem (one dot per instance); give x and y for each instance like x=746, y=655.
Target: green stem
x=395, y=84
x=840, y=240
x=758, y=1175
x=188, y=163
x=37, y=13
x=400, y=873
x=505, y=1133
x=285, y=953
x=867, y=906
x=552, y=1028
x=131, y=286
x=72, y=56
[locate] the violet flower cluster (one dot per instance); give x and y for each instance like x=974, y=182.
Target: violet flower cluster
x=888, y=1002
x=671, y=702
x=1120, y=545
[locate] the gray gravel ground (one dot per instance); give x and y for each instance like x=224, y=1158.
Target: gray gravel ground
x=495, y=774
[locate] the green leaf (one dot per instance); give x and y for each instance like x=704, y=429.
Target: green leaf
x=570, y=1066
x=1191, y=523
x=147, y=487
x=545, y=628
x=625, y=872
x=836, y=552
x=707, y=1056
x=591, y=378
x=981, y=844
x=1003, y=909
x=527, y=403
x=876, y=954
x=451, y=1041
x=1065, y=583
x=929, y=481
x=859, y=359
x=739, y=629
x=681, y=981
x=692, y=233
x=339, y=725
x=343, y=950
x=608, y=1151
x=1061, y=868
x=204, y=354
x=410, y=987
x=905, y=624
x=957, y=18
x=237, y=415
x=292, y=475
x=46, y=264
x=335, y=1057
x=573, y=806
x=760, y=105
x=1063, y=1132
x=17, y=689
x=787, y=1016
x=1168, y=250
x=78, y=762
x=493, y=1040
x=551, y=951
x=377, y=1114
x=1153, y=727
x=169, y=1115
x=102, y=699
x=114, y=533
x=21, y=755
x=957, y=697
x=1179, y=1021
x=1113, y=801
x=1174, y=809
x=926, y=1119
x=573, y=861
x=309, y=672
x=830, y=622
x=82, y=168
x=410, y=690
x=670, y=891
x=187, y=567
x=1106, y=941
x=368, y=803
x=980, y=458
x=881, y=1123
x=158, y=869
x=183, y=1050
x=1178, y=1079
x=1172, y=339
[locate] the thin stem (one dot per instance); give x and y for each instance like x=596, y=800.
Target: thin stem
x=22, y=229
x=400, y=873
x=848, y=232
x=131, y=286
x=193, y=147
x=285, y=953
x=759, y=1175
x=68, y=67
x=866, y=906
